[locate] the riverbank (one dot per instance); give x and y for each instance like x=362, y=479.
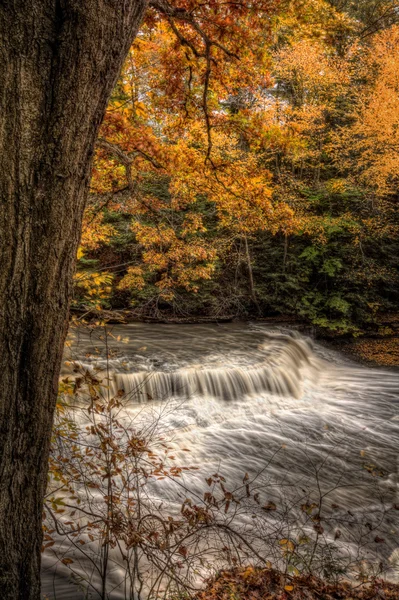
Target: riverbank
x=383, y=352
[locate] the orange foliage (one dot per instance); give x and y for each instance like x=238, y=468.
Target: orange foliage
x=226, y=119
x=374, y=136
x=267, y=584
x=170, y=119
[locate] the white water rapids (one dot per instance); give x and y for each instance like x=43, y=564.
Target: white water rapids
x=244, y=398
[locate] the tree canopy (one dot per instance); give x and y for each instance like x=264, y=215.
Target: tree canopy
x=248, y=162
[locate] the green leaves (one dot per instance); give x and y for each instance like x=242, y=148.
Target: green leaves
x=331, y=266
x=339, y=304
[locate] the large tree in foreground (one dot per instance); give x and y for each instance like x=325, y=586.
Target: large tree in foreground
x=59, y=60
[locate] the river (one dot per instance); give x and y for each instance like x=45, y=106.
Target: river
x=266, y=404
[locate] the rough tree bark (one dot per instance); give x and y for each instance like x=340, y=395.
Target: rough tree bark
x=59, y=60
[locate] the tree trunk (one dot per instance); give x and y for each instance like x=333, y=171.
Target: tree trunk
x=251, y=275
x=285, y=252
x=59, y=60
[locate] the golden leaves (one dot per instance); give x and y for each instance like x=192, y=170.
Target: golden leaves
x=374, y=133
x=287, y=544
x=133, y=280
x=254, y=583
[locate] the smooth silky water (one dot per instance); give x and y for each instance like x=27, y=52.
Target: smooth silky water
x=241, y=397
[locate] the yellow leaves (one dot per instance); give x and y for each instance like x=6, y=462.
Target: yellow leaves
x=147, y=124
x=381, y=351
x=133, y=280
x=154, y=235
x=94, y=232
x=312, y=75
x=337, y=186
x=179, y=255
x=248, y=573
x=308, y=508
x=239, y=188
x=155, y=260
x=65, y=387
x=192, y=224
x=313, y=20
x=287, y=544
x=95, y=286
x=188, y=208
x=370, y=145
x=140, y=109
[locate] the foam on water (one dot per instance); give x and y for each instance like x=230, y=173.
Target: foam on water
x=243, y=398
x=283, y=364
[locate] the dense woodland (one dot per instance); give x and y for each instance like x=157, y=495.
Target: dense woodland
x=251, y=168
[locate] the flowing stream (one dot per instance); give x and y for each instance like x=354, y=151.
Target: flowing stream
x=246, y=398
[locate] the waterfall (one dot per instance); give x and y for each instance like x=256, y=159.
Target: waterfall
x=339, y=439
x=281, y=373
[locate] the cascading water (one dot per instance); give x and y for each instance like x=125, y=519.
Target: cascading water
x=282, y=377
x=248, y=399
x=277, y=367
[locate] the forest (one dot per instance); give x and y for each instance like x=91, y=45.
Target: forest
x=253, y=176
x=199, y=300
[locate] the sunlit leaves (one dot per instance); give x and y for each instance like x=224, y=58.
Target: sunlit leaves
x=281, y=127
x=374, y=135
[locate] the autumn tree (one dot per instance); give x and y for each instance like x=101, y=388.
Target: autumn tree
x=166, y=150
x=369, y=145
x=371, y=15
